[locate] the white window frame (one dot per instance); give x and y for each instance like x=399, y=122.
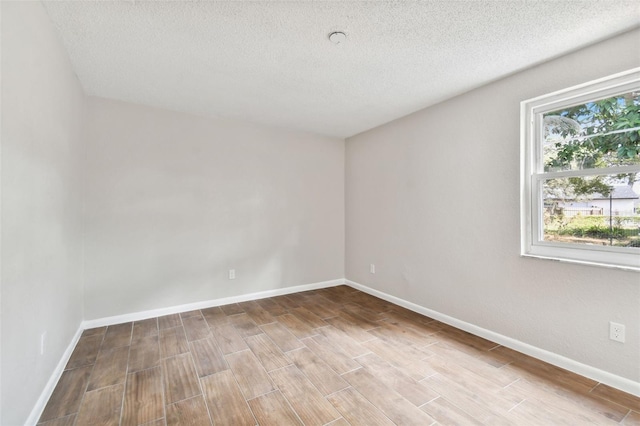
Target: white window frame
x=533, y=174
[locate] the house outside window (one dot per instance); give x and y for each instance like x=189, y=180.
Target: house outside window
x=580, y=181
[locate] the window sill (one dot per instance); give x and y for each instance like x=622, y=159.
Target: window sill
x=632, y=265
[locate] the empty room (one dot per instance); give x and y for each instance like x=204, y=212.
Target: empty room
x=320, y=212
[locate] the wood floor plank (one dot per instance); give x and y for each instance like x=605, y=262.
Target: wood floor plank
x=194, y=313
x=273, y=410
x=110, y=368
x=501, y=377
x=468, y=339
x=195, y=327
x=412, y=337
x=447, y=414
x=340, y=292
x=227, y=338
x=232, y=309
x=323, y=308
x=143, y=398
x=474, y=383
x=85, y=352
x=272, y=307
x=180, y=378
x=226, y=403
x=118, y=335
x=298, y=299
x=306, y=401
x=497, y=357
x=68, y=393
x=567, y=389
x=354, y=330
x=169, y=321
x=391, y=403
x=330, y=353
x=604, y=407
x=577, y=409
x=192, y=411
x=214, y=320
x=159, y=422
x=358, y=320
x=402, y=357
x=397, y=338
x=371, y=302
x=282, y=337
x=395, y=379
x=308, y=317
x=208, y=357
x=267, y=352
x=285, y=302
x=173, y=341
x=144, y=353
x=94, y=331
x=295, y=326
x=357, y=410
x=257, y=313
x=418, y=326
x=341, y=339
x=552, y=374
x=607, y=392
x=532, y=412
x=480, y=407
x=363, y=314
x=400, y=313
x=339, y=422
x=251, y=376
x=213, y=313
x=101, y=407
x=144, y=328
x=633, y=418
x=245, y=325
x=317, y=371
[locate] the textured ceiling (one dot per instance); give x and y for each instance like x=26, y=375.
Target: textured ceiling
x=271, y=61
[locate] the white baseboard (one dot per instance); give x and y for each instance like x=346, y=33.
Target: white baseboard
x=37, y=410
x=137, y=316
x=594, y=373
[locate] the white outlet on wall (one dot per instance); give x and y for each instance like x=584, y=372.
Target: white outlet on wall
x=232, y=274
x=616, y=332
x=372, y=268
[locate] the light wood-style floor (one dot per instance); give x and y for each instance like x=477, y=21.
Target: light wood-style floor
x=334, y=356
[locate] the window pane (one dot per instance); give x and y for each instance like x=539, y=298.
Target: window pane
x=594, y=210
x=603, y=133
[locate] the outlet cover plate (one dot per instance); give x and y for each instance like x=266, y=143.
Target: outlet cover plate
x=616, y=332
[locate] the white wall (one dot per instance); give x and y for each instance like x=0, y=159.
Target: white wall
x=464, y=261
x=41, y=227
x=173, y=201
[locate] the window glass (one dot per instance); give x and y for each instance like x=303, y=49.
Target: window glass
x=600, y=134
x=581, y=173
x=594, y=210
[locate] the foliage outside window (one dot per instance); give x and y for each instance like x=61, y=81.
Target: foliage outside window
x=581, y=173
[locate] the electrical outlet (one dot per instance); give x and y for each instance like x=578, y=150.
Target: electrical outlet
x=372, y=268
x=43, y=339
x=232, y=274
x=616, y=332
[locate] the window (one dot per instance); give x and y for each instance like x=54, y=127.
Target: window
x=580, y=170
